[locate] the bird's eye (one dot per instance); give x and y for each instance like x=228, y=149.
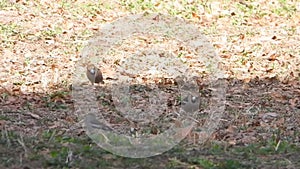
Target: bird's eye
x=92, y=71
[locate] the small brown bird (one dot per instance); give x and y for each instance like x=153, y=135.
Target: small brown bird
x=94, y=74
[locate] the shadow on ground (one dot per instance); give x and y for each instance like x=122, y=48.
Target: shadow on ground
x=260, y=129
